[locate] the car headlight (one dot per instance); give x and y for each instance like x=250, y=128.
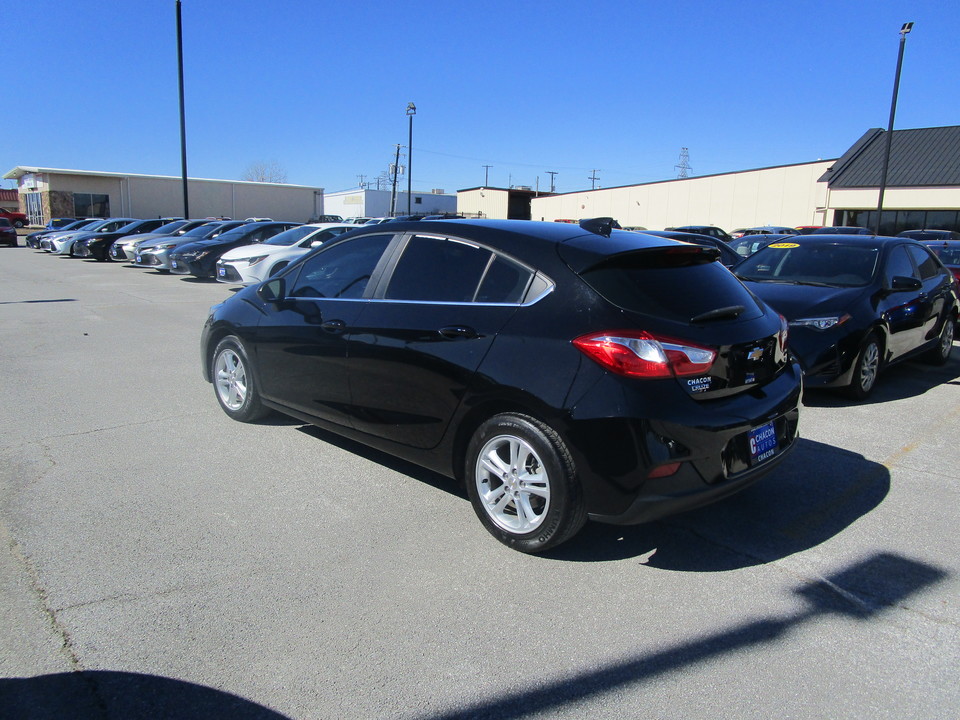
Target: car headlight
x=250, y=260
x=820, y=323
x=165, y=246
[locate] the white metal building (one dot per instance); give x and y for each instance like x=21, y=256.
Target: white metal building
x=53, y=192
x=376, y=203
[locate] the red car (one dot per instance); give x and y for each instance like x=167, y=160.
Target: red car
x=949, y=253
x=17, y=219
x=8, y=234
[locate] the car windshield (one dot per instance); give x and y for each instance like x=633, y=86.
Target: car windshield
x=832, y=264
x=170, y=227
x=202, y=230
x=291, y=236
x=129, y=226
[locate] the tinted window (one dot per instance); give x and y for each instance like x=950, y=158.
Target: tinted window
x=925, y=261
x=341, y=270
x=899, y=265
x=663, y=286
x=438, y=270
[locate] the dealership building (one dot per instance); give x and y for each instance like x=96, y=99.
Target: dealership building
x=46, y=193
x=922, y=191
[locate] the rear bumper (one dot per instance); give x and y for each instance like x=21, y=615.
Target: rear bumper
x=710, y=440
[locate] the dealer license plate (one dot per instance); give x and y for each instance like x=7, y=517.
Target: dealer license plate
x=173, y=263
x=222, y=272
x=763, y=443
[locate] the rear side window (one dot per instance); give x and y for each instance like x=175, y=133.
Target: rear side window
x=662, y=286
x=926, y=263
x=441, y=269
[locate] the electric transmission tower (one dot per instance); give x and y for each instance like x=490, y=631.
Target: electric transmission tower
x=684, y=166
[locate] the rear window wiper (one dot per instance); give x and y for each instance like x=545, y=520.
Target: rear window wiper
x=732, y=311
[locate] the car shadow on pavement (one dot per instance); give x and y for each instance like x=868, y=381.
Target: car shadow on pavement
x=412, y=470
x=903, y=380
x=815, y=493
x=879, y=584
x=92, y=695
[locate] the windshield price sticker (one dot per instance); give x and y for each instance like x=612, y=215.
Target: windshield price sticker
x=763, y=443
x=783, y=246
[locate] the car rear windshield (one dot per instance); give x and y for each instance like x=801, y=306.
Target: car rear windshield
x=682, y=287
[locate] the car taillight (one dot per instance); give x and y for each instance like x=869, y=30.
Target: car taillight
x=643, y=355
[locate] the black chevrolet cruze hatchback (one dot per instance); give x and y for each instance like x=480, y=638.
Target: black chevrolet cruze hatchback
x=562, y=372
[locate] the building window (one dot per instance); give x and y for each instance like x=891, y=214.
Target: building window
x=91, y=205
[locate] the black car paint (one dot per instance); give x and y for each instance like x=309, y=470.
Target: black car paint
x=415, y=379
x=906, y=317
x=213, y=248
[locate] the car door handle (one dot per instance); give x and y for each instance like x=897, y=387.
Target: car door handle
x=459, y=332
x=333, y=326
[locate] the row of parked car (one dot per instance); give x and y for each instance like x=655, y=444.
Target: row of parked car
x=662, y=380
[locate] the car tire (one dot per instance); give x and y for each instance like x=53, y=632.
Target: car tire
x=865, y=369
x=234, y=383
x=18, y=223
x=523, y=484
x=941, y=353
x=277, y=268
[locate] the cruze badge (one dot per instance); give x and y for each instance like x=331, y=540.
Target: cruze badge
x=755, y=354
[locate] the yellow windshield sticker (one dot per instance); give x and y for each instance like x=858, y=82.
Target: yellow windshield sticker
x=783, y=246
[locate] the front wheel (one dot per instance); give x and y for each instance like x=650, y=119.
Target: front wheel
x=865, y=369
x=234, y=383
x=523, y=484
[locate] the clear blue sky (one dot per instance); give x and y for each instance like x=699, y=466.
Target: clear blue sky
x=321, y=88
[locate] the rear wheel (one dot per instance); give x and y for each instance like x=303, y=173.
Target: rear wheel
x=866, y=369
x=941, y=353
x=234, y=383
x=523, y=484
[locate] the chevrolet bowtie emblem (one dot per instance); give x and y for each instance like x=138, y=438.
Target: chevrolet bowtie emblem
x=755, y=354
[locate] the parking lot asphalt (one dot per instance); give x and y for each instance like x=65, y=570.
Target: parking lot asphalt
x=160, y=560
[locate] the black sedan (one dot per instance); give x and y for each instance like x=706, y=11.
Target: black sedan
x=856, y=304
x=563, y=373
x=97, y=245
x=200, y=258
x=728, y=256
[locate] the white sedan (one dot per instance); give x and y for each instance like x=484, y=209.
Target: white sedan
x=254, y=263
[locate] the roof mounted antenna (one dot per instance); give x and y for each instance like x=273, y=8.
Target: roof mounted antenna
x=600, y=226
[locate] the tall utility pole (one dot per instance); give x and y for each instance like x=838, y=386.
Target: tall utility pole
x=552, y=174
x=593, y=179
x=183, y=121
x=393, y=196
x=486, y=175
x=907, y=27
x=684, y=165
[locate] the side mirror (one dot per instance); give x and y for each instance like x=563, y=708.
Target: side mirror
x=901, y=283
x=316, y=243
x=273, y=291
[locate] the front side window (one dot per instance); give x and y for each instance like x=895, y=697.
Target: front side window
x=899, y=265
x=341, y=270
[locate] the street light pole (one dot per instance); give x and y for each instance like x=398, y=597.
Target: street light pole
x=183, y=121
x=411, y=111
x=907, y=27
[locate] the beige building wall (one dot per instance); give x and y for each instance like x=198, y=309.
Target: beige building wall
x=150, y=196
x=926, y=198
x=487, y=202
x=786, y=195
